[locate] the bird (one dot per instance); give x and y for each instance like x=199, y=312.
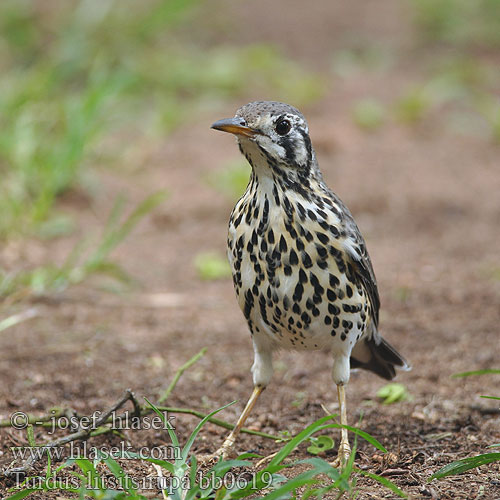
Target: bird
x=300, y=267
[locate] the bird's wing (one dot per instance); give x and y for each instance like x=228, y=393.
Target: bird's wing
x=355, y=249
x=363, y=269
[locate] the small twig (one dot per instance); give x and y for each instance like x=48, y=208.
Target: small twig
x=98, y=428
x=128, y=396
x=82, y=434
x=263, y=460
x=102, y=423
x=137, y=406
x=179, y=373
x=43, y=421
x=216, y=421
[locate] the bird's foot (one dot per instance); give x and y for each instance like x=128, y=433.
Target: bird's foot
x=342, y=456
x=223, y=453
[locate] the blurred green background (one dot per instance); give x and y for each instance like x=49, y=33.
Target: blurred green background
x=86, y=83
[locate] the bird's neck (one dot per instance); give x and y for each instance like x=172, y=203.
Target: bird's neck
x=276, y=180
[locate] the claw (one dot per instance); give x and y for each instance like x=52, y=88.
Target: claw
x=223, y=453
x=343, y=456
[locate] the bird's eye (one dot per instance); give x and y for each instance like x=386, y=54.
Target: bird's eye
x=282, y=127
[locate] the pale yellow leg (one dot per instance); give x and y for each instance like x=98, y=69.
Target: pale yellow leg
x=344, y=448
x=228, y=444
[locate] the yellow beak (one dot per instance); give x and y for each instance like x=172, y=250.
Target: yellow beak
x=235, y=126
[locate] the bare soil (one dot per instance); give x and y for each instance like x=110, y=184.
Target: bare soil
x=427, y=201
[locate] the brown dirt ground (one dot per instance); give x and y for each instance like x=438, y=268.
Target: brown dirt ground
x=426, y=200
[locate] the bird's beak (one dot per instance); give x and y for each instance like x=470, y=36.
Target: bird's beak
x=235, y=126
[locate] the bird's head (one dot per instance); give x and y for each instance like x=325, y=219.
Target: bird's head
x=272, y=131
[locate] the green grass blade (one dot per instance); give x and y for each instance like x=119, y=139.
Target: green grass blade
x=465, y=464
x=15, y=319
x=31, y=435
x=90, y=472
x=367, y=437
x=168, y=425
x=244, y=456
x=304, y=479
x=197, y=429
x=220, y=468
x=487, y=371
x=179, y=373
x=263, y=479
x=162, y=463
x=194, y=490
x=315, y=427
x=299, y=438
x=322, y=466
x=385, y=482
x=490, y=397
x=21, y=494
x=123, y=479
x=49, y=472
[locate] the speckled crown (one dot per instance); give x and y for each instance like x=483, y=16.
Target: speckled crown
x=257, y=108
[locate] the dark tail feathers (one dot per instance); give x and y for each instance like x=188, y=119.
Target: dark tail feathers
x=377, y=355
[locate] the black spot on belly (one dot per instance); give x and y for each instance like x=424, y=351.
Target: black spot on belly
x=318, y=289
x=302, y=276
x=322, y=252
x=283, y=245
x=276, y=196
x=333, y=309
x=334, y=281
x=306, y=260
x=249, y=301
x=322, y=237
x=305, y=318
x=297, y=294
x=270, y=236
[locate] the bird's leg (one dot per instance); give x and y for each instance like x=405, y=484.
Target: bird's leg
x=228, y=444
x=344, y=448
x=262, y=371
